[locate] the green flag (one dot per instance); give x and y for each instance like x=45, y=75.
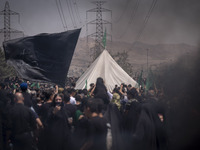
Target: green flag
x=149, y=81
x=140, y=78
x=32, y=85
x=104, y=39
x=14, y=86
x=38, y=85
x=85, y=84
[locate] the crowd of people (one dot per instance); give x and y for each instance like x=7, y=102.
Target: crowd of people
x=47, y=117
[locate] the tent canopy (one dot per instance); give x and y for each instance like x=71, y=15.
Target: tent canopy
x=105, y=67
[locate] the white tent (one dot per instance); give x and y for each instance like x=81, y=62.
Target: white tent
x=106, y=67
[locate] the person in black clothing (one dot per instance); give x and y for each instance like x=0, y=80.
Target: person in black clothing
x=132, y=111
x=85, y=92
x=57, y=134
x=28, y=102
x=131, y=117
x=97, y=128
x=70, y=109
x=27, y=96
x=151, y=95
x=22, y=123
x=44, y=109
x=3, y=117
x=79, y=110
x=100, y=91
x=150, y=132
x=46, y=106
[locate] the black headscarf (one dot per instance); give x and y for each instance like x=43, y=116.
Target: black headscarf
x=101, y=91
x=130, y=120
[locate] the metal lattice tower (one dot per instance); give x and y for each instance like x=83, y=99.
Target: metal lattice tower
x=99, y=22
x=7, y=30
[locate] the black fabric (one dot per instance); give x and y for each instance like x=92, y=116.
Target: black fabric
x=101, y=91
x=3, y=117
x=130, y=120
x=113, y=116
x=150, y=133
x=23, y=141
x=44, y=57
x=90, y=134
x=80, y=134
x=36, y=107
x=27, y=99
x=131, y=117
x=44, y=112
x=21, y=119
x=21, y=123
x=1, y=132
x=97, y=133
x=70, y=109
x=57, y=132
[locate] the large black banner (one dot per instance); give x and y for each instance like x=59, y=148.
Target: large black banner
x=44, y=57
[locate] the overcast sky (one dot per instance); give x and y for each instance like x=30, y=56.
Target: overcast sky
x=171, y=21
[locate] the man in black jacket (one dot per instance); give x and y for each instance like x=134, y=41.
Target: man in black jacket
x=22, y=123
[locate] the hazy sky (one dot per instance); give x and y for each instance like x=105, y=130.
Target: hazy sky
x=171, y=21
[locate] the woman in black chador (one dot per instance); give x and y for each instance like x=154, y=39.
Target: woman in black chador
x=100, y=91
x=58, y=134
x=130, y=117
x=150, y=132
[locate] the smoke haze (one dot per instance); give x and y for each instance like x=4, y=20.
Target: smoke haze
x=181, y=85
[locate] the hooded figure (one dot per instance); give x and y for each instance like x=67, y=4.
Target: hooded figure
x=150, y=133
x=130, y=120
x=101, y=91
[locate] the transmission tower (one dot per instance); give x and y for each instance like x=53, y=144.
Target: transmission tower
x=7, y=30
x=100, y=25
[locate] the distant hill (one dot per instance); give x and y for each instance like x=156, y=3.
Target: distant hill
x=137, y=56
x=157, y=55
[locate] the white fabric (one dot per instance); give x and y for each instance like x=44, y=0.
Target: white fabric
x=72, y=100
x=106, y=67
x=110, y=95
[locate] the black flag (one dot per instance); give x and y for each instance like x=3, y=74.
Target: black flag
x=44, y=57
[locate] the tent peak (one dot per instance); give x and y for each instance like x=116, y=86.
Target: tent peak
x=107, y=68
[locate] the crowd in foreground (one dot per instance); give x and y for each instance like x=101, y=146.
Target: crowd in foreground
x=53, y=118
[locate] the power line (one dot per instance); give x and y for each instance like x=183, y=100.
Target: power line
x=134, y=11
x=70, y=13
x=146, y=19
x=125, y=9
x=136, y=6
x=77, y=11
x=70, y=4
x=145, y=22
x=60, y=14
